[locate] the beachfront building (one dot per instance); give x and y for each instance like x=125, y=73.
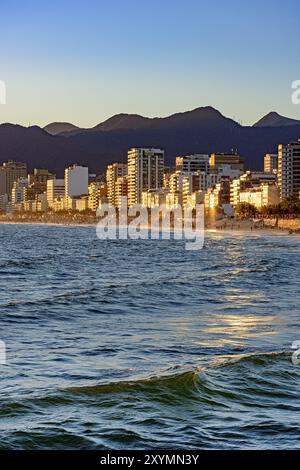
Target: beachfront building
x=167, y=174
x=185, y=183
x=55, y=190
x=38, y=204
x=195, y=198
x=59, y=204
x=154, y=198
x=18, y=193
x=262, y=196
x=176, y=181
x=191, y=183
x=145, y=172
x=76, y=181
x=4, y=202
x=172, y=200
x=289, y=169
x=121, y=189
x=248, y=180
x=10, y=172
x=97, y=192
x=271, y=163
x=218, y=195
x=113, y=173
x=81, y=203
x=37, y=182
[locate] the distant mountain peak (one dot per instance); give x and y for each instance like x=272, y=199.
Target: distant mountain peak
x=210, y=110
x=204, y=112
x=55, y=128
x=121, y=121
x=273, y=119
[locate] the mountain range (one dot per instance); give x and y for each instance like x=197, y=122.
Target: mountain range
x=203, y=130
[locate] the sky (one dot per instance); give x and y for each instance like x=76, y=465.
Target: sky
x=84, y=61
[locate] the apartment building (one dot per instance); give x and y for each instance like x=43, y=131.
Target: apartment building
x=113, y=173
x=262, y=196
x=271, y=163
x=76, y=181
x=55, y=190
x=193, y=163
x=145, y=172
x=289, y=169
x=10, y=172
x=248, y=180
x=227, y=165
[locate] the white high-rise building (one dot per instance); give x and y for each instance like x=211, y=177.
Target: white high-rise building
x=145, y=172
x=55, y=190
x=76, y=181
x=289, y=169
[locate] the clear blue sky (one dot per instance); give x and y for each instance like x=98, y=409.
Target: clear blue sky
x=83, y=61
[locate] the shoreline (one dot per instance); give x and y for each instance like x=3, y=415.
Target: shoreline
x=242, y=228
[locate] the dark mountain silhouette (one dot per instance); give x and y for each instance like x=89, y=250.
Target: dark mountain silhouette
x=206, y=116
x=275, y=120
x=56, y=128
x=39, y=149
x=203, y=130
x=122, y=121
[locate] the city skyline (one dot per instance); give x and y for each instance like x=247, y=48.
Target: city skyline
x=219, y=180
x=151, y=59
x=149, y=226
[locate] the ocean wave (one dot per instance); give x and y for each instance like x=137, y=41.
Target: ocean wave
x=187, y=381
x=182, y=383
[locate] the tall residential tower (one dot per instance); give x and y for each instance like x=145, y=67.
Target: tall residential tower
x=115, y=174
x=76, y=181
x=145, y=172
x=289, y=169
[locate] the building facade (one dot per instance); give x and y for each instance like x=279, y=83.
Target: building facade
x=97, y=192
x=10, y=172
x=145, y=172
x=55, y=190
x=76, y=181
x=249, y=180
x=192, y=163
x=262, y=196
x=18, y=193
x=289, y=169
x=218, y=195
x=113, y=174
x=271, y=163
